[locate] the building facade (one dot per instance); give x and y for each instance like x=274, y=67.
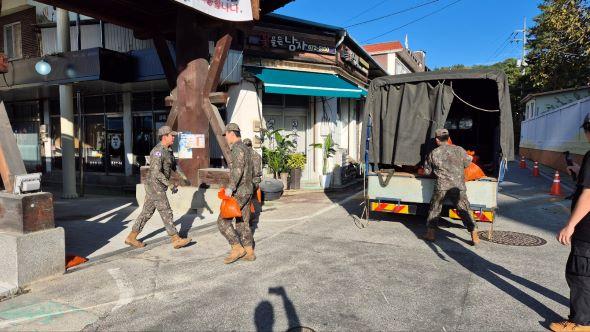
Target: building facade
x=540, y=103
x=397, y=59
x=288, y=74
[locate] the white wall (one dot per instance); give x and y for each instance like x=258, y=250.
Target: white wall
x=557, y=130
x=244, y=107
x=543, y=104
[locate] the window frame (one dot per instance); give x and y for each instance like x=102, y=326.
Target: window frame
x=17, y=45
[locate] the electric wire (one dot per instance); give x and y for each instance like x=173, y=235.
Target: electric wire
x=414, y=21
x=392, y=14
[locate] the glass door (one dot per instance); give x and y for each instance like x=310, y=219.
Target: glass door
x=94, y=143
x=115, y=147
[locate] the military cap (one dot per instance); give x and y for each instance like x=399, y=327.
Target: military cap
x=165, y=130
x=231, y=127
x=441, y=132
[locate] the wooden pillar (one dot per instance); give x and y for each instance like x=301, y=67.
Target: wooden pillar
x=192, y=53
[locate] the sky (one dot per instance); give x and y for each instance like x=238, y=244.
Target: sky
x=452, y=32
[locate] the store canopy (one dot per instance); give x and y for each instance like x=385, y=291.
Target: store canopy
x=291, y=82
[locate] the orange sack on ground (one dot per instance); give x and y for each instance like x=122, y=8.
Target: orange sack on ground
x=229, y=206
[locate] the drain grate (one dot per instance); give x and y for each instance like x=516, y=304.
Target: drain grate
x=513, y=239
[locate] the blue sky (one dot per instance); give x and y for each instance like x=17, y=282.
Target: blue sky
x=467, y=32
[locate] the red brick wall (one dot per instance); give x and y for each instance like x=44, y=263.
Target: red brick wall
x=552, y=159
x=27, y=19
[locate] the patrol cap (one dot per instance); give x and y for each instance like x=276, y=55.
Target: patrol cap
x=441, y=132
x=231, y=127
x=586, y=122
x=165, y=130
x=247, y=142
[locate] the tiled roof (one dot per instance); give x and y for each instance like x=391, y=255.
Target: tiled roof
x=383, y=47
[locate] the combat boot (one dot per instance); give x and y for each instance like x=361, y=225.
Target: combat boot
x=178, y=242
x=430, y=235
x=237, y=252
x=249, y=254
x=567, y=326
x=132, y=240
x=474, y=238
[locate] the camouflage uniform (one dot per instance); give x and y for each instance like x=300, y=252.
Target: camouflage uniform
x=257, y=168
x=162, y=163
x=241, y=172
x=448, y=163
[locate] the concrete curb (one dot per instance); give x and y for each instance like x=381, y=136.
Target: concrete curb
x=7, y=290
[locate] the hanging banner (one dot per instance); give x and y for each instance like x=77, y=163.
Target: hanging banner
x=229, y=10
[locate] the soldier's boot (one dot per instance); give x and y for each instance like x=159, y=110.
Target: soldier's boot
x=132, y=240
x=474, y=237
x=237, y=252
x=430, y=235
x=249, y=254
x=178, y=242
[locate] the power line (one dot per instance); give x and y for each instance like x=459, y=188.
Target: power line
x=392, y=14
x=366, y=10
x=493, y=56
x=414, y=21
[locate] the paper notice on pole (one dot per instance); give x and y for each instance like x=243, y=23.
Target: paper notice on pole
x=184, y=151
x=229, y=10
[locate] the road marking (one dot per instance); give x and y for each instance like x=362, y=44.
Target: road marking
x=386, y=300
x=126, y=292
x=95, y=218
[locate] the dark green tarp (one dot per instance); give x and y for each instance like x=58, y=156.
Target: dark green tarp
x=405, y=110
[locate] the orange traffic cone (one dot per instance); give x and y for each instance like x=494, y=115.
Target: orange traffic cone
x=536, y=169
x=556, y=186
x=522, y=162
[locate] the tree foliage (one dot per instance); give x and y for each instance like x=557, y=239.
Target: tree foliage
x=559, y=45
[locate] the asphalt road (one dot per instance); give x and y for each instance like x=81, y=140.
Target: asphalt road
x=325, y=273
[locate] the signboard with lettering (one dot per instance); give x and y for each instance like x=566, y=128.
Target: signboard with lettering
x=347, y=55
x=289, y=42
x=229, y=10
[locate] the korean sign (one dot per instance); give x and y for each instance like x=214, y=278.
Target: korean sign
x=289, y=42
x=229, y=10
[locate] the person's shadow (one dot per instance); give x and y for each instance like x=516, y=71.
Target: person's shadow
x=448, y=244
x=264, y=317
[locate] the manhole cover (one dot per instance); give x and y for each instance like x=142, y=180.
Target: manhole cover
x=513, y=239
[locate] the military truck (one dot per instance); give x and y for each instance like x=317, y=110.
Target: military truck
x=401, y=115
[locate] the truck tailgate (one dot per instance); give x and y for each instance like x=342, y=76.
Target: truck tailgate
x=410, y=189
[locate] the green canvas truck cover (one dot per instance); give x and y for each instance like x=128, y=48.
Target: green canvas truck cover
x=405, y=110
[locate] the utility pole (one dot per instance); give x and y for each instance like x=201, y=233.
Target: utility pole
x=523, y=39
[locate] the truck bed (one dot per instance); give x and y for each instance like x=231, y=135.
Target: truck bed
x=410, y=188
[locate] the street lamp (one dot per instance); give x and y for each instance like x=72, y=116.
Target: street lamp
x=43, y=67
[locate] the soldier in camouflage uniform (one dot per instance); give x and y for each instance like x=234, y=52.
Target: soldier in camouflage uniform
x=162, y=163
x=256, y=178
x=241, y=188
x=447, y=163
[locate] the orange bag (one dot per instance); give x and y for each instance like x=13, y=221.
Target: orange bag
x=473, y=172
x=252, y=209
x=259, y=195
x=229, y=206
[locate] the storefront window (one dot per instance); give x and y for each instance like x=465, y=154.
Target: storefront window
x=24, y=118
x=272, y=99
x=94, y=143
x=141, y=102
x=296, y=101
x=143, y=138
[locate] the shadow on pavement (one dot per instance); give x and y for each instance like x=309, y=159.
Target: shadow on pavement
x=264, y=316
x=447, y=245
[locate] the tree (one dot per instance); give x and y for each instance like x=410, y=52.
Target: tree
x=559, y=45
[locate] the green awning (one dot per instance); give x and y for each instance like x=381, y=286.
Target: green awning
x=291, y=82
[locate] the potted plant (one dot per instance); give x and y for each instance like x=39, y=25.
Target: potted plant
x=295, y=163
x=328, y=152
x=277, y=155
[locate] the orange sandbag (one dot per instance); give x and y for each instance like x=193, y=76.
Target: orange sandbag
x=473, y=172
x=73, y=260
x=259, y=195
x=252, y=209
x=229, y=206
